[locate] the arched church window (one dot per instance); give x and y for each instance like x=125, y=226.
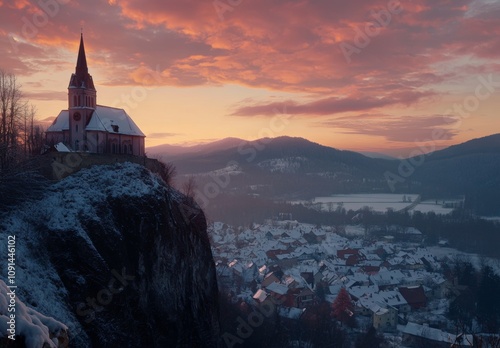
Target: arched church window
x=74, y=101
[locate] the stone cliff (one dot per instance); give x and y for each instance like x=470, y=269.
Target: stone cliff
x=118, y=257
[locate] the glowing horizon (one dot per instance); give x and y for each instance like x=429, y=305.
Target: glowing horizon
x=382, y=76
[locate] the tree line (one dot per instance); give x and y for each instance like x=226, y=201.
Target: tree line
x=474, y=303
x=21, y=139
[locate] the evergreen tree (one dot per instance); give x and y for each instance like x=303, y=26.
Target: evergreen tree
x=488, y=303
x=371, y=339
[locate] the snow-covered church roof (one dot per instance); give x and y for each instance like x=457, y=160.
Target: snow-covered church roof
x=104, y=119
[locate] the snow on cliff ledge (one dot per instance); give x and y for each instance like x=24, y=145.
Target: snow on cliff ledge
x=62, y=208
x=36, y=329
x=104, y=218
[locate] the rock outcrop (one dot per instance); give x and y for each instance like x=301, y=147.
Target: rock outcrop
x=120, y=258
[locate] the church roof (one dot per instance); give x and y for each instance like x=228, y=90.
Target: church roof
x=103, y=119
x=113, y=120
x=61, y=123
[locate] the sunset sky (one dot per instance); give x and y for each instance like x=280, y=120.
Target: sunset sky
x=381, y=76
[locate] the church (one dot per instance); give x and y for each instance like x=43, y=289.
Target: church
x=89, y=127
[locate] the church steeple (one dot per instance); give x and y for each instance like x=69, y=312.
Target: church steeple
x=81, y=63
x=81, y=78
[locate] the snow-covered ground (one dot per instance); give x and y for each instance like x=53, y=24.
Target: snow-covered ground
x=283, y=165
x=431, y=206
x=35, y=327
x=379, y=202
x=477, y=260
x=37, y=279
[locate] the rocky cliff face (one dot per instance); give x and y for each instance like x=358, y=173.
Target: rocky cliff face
x=119, y=258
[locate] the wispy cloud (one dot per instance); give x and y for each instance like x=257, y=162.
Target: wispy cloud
x=46, y=95
x=332, y=105
x=162, y=135
x=394, y=128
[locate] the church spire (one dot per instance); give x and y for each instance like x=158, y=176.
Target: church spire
x=81, y=63
x=81, y=78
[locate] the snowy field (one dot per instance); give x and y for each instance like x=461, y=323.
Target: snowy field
x=428, y=206
x=477, y=260
x=379, y=202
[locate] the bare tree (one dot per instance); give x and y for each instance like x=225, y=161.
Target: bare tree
x=33, y=134
x=20, y=137
x=10, y=106
x=168, y=172
x=189, y=186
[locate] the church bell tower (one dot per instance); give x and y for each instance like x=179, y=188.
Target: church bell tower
x=81, y=101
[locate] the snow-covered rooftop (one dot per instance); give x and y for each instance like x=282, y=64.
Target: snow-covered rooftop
x=104, y=119
x=277, y=288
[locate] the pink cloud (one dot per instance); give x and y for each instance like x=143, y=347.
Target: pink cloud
x=394, y=128
x=332, y=105
x=284, y=46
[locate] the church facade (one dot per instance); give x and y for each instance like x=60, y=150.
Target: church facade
x=88, y=127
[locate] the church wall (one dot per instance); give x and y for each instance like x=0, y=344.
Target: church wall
x=96, y=141
x=125, y=144
x=138, y=145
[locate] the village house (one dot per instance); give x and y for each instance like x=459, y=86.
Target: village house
x=384, y=317
x=414, y=295
x=416, y=335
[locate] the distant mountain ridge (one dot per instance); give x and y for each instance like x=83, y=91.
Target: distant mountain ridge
x=487, y=144
x=287, y=167
x=167, y=149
